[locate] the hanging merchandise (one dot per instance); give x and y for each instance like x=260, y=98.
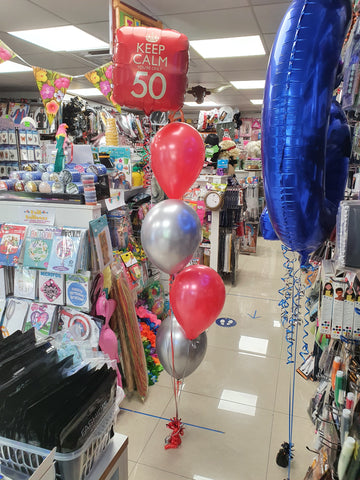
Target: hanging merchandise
x=52, y=87
x=101, y=78
x=150, y=67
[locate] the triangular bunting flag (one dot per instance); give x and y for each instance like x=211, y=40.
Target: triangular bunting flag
x=101, y=78
x=5, y=52
x=52, y=87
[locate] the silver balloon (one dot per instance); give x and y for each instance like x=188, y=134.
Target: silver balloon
x=188, y=354
x=170, y=234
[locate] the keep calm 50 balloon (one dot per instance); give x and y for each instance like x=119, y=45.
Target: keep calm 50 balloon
x=170, y=234
x=150, y=67
x=300, y=80
x=188, y=354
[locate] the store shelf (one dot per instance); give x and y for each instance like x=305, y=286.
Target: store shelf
x=70, y=215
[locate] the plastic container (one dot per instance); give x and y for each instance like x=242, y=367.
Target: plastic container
x=25, y=458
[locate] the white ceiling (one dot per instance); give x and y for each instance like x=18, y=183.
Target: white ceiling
x=196, y=19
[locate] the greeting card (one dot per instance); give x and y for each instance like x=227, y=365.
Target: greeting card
x=25, y=283
x=15, y=314
x=78, y=291
x=40, y=316
x=11, y=241
x=64, y=250
x=51, y=288
x=38, y=243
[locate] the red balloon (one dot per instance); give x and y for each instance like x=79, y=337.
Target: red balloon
x=177, y=157
x=197, y=297
x=150, y=67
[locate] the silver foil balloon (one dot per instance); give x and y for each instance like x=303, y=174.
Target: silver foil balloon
x=188, y=354
x=170, y=234
x=299, y=86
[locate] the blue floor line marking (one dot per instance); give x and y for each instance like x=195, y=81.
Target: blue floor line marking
x=168, y=420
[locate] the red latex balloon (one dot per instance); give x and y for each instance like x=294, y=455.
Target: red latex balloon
x=150, y=67
x=197, y=297
x=177, y=157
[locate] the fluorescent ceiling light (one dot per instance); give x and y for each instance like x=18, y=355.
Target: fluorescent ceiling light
x=253, y=344
x=61, y=39
x=11, y=67
x=248, y=84
x=257, y=101
x=229, y=47
x=200, y=105
x=86, y=92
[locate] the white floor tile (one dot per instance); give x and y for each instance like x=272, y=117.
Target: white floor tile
x=143, y=472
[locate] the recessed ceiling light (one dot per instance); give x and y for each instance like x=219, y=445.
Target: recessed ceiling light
x=86, y=92
x=61, y=39
x=248, y=84
x=257, y=101
x=200, y=105
x=11, y=67
x=229, y=47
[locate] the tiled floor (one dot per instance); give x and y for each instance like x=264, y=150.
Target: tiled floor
x=237, y=399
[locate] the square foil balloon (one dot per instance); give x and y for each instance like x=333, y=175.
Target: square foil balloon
x=150, y=68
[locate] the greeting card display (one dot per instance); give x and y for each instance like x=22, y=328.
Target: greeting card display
x=78, y=291
x=25, y=283
x=51, y=288
x=64, y=250
x=11, y=240
x=38, y=243
x=41, y=317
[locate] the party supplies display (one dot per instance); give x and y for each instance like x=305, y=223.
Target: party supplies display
x=11, y=240
x=347, y=252
x=65, y=249
x=40, y=316
x=15, y=314
x=38, y=245
x=101, y=236
x=25, y=283
x=51, y=288
x=78, y=291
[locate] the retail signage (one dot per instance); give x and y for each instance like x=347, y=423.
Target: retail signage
x=36, y=215
x=150, y=68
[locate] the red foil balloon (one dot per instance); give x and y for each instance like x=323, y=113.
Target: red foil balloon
x=177, y=157
x=150, y=67
x=197, y=297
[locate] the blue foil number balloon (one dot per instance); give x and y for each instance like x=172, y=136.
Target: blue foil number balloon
x=300, y=80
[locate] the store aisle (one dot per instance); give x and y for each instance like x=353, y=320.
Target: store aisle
x=237, y=400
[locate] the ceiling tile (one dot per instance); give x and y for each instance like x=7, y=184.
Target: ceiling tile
x=269, y=40
x=270, y=16
x=22, y=15
x=238, y=64
x=221, y=24
x=204, y=77
x=161, y=7
x=56, y=61
x=199, y=65
x=245, y=75
x=76, y=11
x=98, y=29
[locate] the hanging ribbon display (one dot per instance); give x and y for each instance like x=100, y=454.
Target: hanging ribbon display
x=101, y=78
x=5, y=52
x=52, y=87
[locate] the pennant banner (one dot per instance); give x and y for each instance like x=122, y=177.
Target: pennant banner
x=52, y=87
x=5, y=52
x=101, y=78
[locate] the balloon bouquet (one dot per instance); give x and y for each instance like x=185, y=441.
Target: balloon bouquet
x=305, y=148
x=170, y=234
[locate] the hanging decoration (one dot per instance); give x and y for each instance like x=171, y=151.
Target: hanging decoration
x=52, y=87
x=101, y=78
x=5, y=52
x=150, y=67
